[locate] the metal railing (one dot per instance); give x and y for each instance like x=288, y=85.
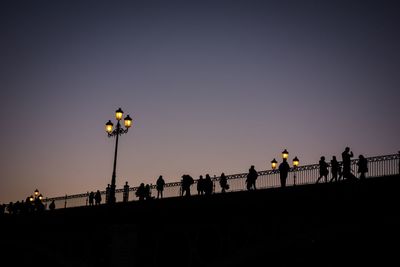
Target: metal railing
x=377, y=167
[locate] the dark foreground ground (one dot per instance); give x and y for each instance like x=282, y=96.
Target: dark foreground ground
x=344, y=224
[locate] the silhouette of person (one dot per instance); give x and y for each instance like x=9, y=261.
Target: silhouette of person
x=97, y=197
x=125, y=195
x=147, y=191
x=283, y=172
x=200, y=185
x=52, y=205
x=141, y=192
x=362, y=166
x=91, y=198
x=187, y=181
x=223, y=182
x=346, y=158
x=323, y=170
x=251, y=178
x=334, y=169
x=208, y=185
x=160, y=186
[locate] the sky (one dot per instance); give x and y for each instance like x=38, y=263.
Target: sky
x=211, y=86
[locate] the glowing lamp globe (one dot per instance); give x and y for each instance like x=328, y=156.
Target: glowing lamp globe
x=118, y=114
x=285, y=154
x=295, y=162
x=128, y=121
x=273, y=164
x=109, y=127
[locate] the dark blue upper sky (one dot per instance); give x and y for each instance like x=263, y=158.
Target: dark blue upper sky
x=212, y=86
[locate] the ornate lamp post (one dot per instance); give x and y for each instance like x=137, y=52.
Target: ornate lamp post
x=295, y=164
x=116, y=133
x=274, y=163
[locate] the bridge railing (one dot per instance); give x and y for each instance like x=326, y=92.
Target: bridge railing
x=377, y=166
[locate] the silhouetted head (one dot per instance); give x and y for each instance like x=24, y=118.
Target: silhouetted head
x=160, y=177
x=284, y=159
x=361, y=157
x=322, y=158
x=334, y=157
x=201, y=177
x=347, y=149
x=126, y=183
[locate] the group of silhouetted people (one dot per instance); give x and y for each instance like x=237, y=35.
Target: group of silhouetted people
x=338, y=173
x=94, y=198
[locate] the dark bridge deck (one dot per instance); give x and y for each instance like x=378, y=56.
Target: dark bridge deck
x=314, y=225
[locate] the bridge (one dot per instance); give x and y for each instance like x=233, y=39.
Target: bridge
x=378, y=166
x=326, y=224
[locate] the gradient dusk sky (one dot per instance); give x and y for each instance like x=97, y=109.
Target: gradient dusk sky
x=212, y=86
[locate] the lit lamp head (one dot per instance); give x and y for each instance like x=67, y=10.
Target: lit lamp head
x=118, y=114
x=295, y=162
x=128, y=121
x=109, y=127
x=273, y=164
x=36, y=193
x=285, y=154
x=31, y=198
x=40, y=197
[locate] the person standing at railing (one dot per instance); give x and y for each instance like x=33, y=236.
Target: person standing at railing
x=91, y=198
x=125, y=195
x=323, y=170
x=362, y=166
x=160, y=186
x=200, y=185
x=346, y=157
x=97, y=197
x=208, y=185
x=283, y=172
x=223, y=182
x=187, y=181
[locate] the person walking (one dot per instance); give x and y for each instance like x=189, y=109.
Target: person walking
x=251, y=178
x=334, y=169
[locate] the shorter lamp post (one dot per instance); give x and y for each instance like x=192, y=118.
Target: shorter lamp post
x=295, y=164
x=274, y=164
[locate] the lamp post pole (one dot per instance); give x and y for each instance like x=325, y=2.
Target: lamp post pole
x=112, y=188
x=116, y=133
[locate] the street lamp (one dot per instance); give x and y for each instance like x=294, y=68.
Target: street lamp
x=274, y=163
x=116, y=133
x=295, y=164
x=285, y=154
